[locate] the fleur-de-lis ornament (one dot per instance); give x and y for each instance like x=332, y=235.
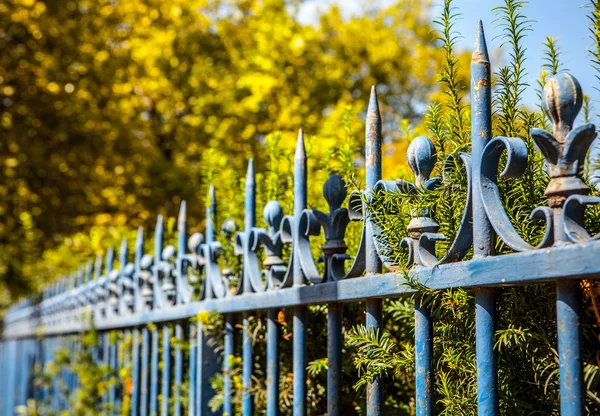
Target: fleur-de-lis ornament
x=421, y=157
x=566, y=149
x=271, y=241
x=334, y=226
x=146, y=281
x=166, y=272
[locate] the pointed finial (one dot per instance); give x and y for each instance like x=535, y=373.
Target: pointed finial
x=110, y=255
x=98, y=266
x=139, y=245
x=159, y=225
x=421, y=157
x=250, y=172
x=211, y=209
x=300, y=178
x=211, y=195
x=373, y=108
x=480, y=51
x=373, y=141
x=250, y=198
x=334, y=191
x=300, y=148
x=123, y=253
x=182, y=218
x=182, y=229
x=158, y=237
x=88, y=272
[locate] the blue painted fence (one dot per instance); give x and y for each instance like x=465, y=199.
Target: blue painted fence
x=156, y=289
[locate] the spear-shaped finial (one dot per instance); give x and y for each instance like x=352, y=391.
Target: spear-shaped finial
x=250, y=198
x=110, y=257
x=300, y=175
x=139, y=247
x=158, y=238
x=79, y=279
x=123, y=253
x=480, y=51
x=300, y=200
x=98, y=266
x=88, y=272
x=373, y=141
x=182, y=229
x=211, y=209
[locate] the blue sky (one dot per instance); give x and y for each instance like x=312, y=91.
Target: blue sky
x=565, y=19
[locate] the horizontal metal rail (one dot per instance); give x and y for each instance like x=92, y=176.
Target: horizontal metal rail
x=533, y=267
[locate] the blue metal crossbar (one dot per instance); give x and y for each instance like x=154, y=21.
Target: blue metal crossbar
x=144, y=297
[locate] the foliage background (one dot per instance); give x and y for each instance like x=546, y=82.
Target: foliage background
x=113, y=112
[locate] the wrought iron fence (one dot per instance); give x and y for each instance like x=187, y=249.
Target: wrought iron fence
x=156, y=288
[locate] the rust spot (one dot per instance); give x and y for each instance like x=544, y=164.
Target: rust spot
x=482, y=83
x=478, y=57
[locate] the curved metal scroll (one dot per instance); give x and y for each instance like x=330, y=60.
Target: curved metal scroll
x=516, y=164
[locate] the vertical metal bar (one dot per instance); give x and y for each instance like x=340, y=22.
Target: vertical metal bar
x=10, y=375
x=247, y=358
x=135, y=372
x=2, y=373
x=192, y=370
x=112, y=392
x=334, y=358
x=154, y=373
x=423, y=360
x=144, y=375
x=166, y=370
x=19, y=372
x=228, y=351
x=178, y=376
x=483, y=236
x=55, y=389
x=247, y=365
x=207, y=364
x=568, y=309
x=299, y=322
x=199, y=369
x=373, y=263
x=138, y=303
x=200, y=390
x=273, y=334
x=106, y=350
x=181, y=246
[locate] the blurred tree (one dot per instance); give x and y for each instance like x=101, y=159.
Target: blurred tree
x=108, y=109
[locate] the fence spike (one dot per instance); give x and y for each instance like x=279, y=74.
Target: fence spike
x=88, y=272
x=110, y=256
x=483, y=238
x=373, y=140
x=123, y=251
x=182, y=229
x=299, y=324
x=98, y=266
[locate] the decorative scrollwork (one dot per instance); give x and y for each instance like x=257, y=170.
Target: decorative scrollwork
x=564, y=152
x=271, y=241
x=422, y=228
x=516, y=164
